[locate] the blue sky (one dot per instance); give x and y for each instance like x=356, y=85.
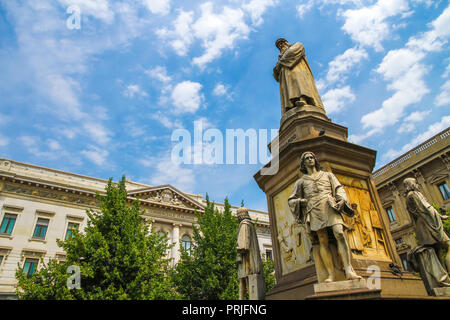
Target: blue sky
x=104, y=99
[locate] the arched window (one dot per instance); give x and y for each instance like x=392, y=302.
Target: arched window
x=186, y=243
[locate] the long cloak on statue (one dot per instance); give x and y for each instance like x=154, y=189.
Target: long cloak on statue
x=429, y=228
x=295, y=77
x=247, y=240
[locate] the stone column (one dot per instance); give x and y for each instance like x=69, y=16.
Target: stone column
x=176, y=241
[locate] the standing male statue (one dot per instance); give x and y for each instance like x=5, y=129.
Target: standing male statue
x=319, y=200
x=292, y=71
x=430, y=235
x=250, y=266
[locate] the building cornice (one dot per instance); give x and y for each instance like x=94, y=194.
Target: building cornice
x=413, y=159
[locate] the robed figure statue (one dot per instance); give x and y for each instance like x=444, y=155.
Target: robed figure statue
x=427, y=258
x=250, y=266
x=292, y=71
x=318, y=201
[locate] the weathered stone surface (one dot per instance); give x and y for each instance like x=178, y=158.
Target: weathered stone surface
x=439, y=292
x=340, y=285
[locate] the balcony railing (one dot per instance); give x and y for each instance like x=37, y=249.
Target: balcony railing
x=412, y=153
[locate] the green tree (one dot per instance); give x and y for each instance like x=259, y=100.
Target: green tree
x=117, y=256
x=269, y=274
x=209, y=271
x=445, y=223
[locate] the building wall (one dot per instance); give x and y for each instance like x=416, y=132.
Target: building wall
x=33, y=192
x=429, y=164
x=21, y=244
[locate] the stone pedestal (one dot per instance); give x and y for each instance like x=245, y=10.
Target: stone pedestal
x=340, y=285
x=442, y=292
x=256, y=287
x=303, y=129
x=343, y=290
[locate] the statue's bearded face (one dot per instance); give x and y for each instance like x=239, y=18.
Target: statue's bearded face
x=282, y=46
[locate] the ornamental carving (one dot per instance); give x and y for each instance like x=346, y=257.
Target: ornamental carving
x=164, y=196
x=50, y=194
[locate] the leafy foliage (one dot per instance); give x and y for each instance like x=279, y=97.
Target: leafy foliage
x=269, y=274
x=117, y=256
x=210, y=271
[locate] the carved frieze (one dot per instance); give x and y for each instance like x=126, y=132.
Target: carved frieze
x=167, y=213
x=49, y=194
x=165, y=196
x=365, y=234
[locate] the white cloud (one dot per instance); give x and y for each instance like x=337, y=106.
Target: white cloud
x=133, y=90
x=443, y=99
x=405, y=71
x=218, y=31
x=186, y=97
x=368, y=26
x=405, y=74
x=4, y=119
x=436, y=38
x=432, y=130
x=97, y=132
x=304, y=8
x=408, y=124
x=340, y=66
x=132, y=129
x=205, y=123
x=256, y=8
x=69, y=133
x=168, y=122
x=96, y=155
x=158, y=6
x=53, y=145
x=28, y=141
x=36, y=147
x=159, y=73
x=168, y=172
x=221, y=90
x=447, y=70
x=427, y=3
x=4, y=141
x=336, y=99
x=181, y=37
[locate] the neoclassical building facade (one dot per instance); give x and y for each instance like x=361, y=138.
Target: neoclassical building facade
x=429, y=163
x=39, y=205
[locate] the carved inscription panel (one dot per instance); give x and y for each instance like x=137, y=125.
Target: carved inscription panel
x=295, y=247
x=365, y=235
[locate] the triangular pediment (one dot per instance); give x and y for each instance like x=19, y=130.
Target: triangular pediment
x=166, y=195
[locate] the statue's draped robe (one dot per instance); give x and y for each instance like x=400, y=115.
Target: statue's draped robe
x=429, y=231
x=247, y=240
x=429, y=228
x=322, y=193
x=295, y=77
x=423, y=259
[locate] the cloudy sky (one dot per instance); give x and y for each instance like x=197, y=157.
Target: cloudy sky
x=102, y=96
